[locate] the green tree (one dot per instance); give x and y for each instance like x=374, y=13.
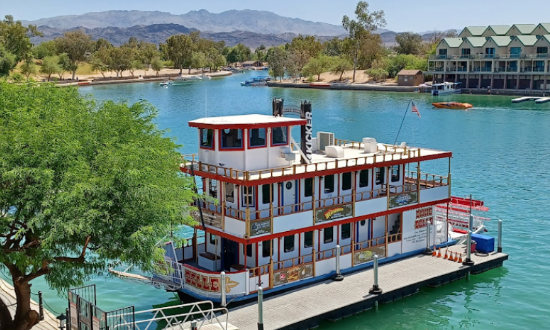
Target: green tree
x=378, y=74
x=408, y=43
x=28, y=68
x=47, y=48
x=101, y=59
x=260, y=53
x=156, y=64
x=120, y=59
x=277, y=58
x=77, y=45
x=302, y=49
x=340, y=65
x=16, y=38
x=238, y=53
x=179, y=49
x=317, y=65
x=7, y=61
x=359, y=29
x=77, y=178
x=198, y=60
x=50, y=65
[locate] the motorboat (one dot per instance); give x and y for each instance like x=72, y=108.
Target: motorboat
x=452, y=105
x=446, y=88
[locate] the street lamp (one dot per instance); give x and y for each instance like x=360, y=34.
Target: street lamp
x=62, y=321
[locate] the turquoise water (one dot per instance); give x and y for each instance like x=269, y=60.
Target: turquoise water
x=501, y=151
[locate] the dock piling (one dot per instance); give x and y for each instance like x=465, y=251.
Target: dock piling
x=338, y=276
x=375, y=288
x=499, y=246
x=468, y=261
x=260, y=309
x=222, y=288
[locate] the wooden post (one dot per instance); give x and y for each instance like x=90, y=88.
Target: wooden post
x=353, y=247
x=223, y=215
x=247, y=221
x=271, y=268
x=314, y=256
x=386, y=239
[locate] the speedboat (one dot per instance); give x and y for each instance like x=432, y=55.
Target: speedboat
x=452, y=105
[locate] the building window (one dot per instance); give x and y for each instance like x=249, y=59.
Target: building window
x=207, y=138
x=328, y=235
x=256, y=137
x=380, y=175
x=266, y=199
x=266, y=249
x=395, y=173
x=229, y=192
x=515, y=52
x=308, y=239
x=212, y=239
x=465, y=52
x=363, y=178
x=442, y=53
x=542, y=51
x=289, y=243
x=489, y=52
x=329, y=183
x=308, y=187
x=279, y=135
x=346, y=231
x=231, y=138
x=346, y=181
x=249, y=250
x=213, y=188
x=248, y=196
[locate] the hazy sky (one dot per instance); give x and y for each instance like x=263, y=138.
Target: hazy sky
x=401, y=15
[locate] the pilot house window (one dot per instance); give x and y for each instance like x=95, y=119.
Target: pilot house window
x=207, y=138
x=329, y=183
x=279, y=135
x=363, y=178
x=308, y=187
x=380, y=175
x=231, y=138
x=395, y=173
x=256, y=137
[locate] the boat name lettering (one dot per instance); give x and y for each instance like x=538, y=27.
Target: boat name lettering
x=334, y=212
x=309, y=129
x=203, y=282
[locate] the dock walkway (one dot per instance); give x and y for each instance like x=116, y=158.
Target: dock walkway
x=8, y=296
x=307, y=307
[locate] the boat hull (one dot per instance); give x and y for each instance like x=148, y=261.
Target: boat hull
x=452, y=105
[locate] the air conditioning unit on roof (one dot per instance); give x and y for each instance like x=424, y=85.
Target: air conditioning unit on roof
x=325, y=139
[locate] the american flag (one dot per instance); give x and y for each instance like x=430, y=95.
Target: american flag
x=415, y=110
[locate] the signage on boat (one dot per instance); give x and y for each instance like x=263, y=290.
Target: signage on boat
x=292, y=274
x=260, y=227
x=333, y=212
x=367, y=255
x=306, y=131
x=403, y=199
x=207, y=282
x=424, y=216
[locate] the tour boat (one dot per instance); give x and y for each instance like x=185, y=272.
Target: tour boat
x=256, y=81
x=446, y=88
x=452, y=105
x=277, y=214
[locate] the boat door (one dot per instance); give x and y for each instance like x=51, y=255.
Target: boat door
x=230, y=253
x=289, y=196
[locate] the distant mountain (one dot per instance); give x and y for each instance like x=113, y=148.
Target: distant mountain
x=158, y=33
x=263, y=22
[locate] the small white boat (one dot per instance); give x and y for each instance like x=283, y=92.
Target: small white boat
x=542, y=100
x=446, y=88
x=165, y=83
x=524, y=98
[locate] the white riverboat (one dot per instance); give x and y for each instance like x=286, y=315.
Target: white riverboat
x=277, y=213
x=445, y=88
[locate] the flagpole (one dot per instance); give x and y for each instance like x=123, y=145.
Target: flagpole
x=402, y=120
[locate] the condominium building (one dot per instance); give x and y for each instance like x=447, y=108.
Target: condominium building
x=496, y=57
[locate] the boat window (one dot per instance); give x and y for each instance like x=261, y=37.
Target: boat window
x=308, y=239
x=329, y=183
x=213, y=188
x=289, y=243
x=346, y=181
x=229, y=192
x=212, y=239
x=279, y=135
x=231, y=138
x=266, y=249
x=256, y=137
x=395, y=173
x=248, y=196
x=249, y=250
x=380, y=175
x=308, y=187
x=363, y=178
x=207, y=138
x=346, y=231
x=328, y=235
x=265, y=193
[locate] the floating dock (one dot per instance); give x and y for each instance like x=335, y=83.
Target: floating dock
x=542, y=100
x=331, y=300
x=524, y=98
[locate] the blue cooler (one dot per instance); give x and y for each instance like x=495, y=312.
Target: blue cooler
x=484, y=243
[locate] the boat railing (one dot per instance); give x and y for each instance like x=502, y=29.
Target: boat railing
x=427, y=180
x=258, y=271
x=291, y=262
x=386, y=153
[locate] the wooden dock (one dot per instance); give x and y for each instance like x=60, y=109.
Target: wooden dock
x=306, y=307
x=8, y=296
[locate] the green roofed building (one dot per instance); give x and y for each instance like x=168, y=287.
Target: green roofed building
x=495, y=57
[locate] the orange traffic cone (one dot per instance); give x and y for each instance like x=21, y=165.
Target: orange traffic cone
x=439, y=253
x=446, y=256
x=455, y=257
x=460, y=258
x=434, y=253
